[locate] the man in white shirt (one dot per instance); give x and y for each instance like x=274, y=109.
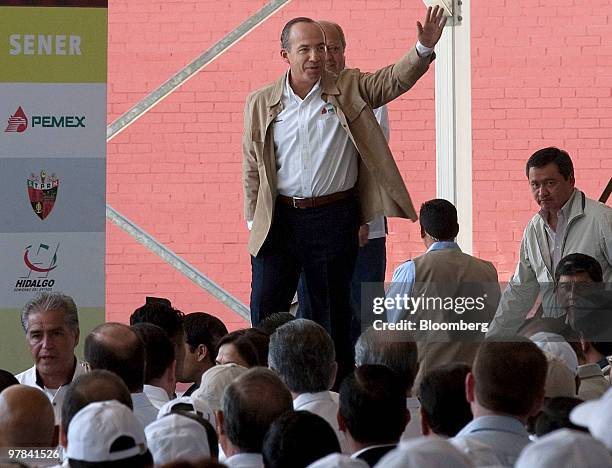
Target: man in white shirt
x=51, y=324
x=506, y=387
x=302, y=353
x=250, y=405
x=311, y=149
x=117, y=348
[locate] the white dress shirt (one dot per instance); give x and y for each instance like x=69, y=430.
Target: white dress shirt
x=245, y=460
x=322, y=404
x=156, y=395
x=56, y=396
x=143, y=409
x=314, y=154
x=413, y=428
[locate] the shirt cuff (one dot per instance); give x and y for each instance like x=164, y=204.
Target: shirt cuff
x=422, y=50
x=249, y=225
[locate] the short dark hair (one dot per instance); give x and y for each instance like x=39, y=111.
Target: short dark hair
x=251, y=344
x=389, y=348
x=576, y=263
x=373, y=404
x=438, y=218
x=159, y=350
x=284, y=38
x=163, y=315
x=205, y=329
x=503, y=370
x=7, y=379
x=97, y=385
x=555, y=415
x=442, y=397
x=250, y=405
x=297, y=439
x=302, y=352
x=273, y=321
x=125, y=357
x=545, y=156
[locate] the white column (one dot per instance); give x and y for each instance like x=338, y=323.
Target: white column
x=454, y=119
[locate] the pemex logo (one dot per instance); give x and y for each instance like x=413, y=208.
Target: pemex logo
x=18, y=122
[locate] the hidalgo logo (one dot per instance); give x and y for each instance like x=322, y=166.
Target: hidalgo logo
x=17, y=122
x=40, y=259
x=42, y=191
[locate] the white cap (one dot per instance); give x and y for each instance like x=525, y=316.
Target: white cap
x=425, y=451
x=565, y=447
x=556, y=345
x=177, y=437
x=560, y=381
x=596, y=415
x=95, y=428
x=214, y=382
x=167, y=407
x=338, y=460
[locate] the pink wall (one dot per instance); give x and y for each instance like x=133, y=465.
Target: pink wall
x=542, y=74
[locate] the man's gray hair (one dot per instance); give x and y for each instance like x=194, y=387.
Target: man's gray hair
x=303, y=354
x=389, y=348
x=46, y=302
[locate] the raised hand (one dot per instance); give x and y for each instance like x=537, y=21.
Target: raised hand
x=430, y=31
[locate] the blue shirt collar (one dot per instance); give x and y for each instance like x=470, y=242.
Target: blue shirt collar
x=441, y=245
x=495, y=423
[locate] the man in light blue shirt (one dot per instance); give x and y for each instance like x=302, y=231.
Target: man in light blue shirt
x=505, y=387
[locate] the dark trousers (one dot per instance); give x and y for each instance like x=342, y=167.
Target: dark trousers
x=320, y=243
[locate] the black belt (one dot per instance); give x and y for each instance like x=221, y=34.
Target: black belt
x=314, y=202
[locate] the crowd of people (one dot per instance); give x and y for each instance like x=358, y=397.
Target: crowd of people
x=337, y=387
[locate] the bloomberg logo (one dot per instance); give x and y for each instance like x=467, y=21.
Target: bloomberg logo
x=18, y=122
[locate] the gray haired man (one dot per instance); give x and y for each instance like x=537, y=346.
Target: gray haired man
x=51, y=325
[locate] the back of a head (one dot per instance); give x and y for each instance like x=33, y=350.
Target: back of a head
x=555, y=414
x=545, y=156
x=7, y=379
x=303, y=354
x=203, y=328
x=162, y=314
x=117, y=348
x=426, y=452
x=273, y=321
x=26, y=418
x=298, y=438
x=443, y=401
x=438, y=218
x=389, y=348
x=214, y=382
x=373, y=405
x=503, y=370
x=251, y=404
x=159, y=350
x=97, y=385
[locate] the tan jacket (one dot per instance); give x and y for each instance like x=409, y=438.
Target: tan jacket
x=353, y=94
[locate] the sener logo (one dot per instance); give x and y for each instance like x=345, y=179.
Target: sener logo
x=17, y=122
x=44, y=44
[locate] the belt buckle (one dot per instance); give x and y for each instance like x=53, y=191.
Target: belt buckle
x=294, y=199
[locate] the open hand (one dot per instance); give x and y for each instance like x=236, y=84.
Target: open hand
x=430, y=31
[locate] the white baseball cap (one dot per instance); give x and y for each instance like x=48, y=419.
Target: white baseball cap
x=560, y=381
x=425, y=451
x=182, y=402
x=214, y=382
x=556, y=345
x=565, y=447
x=177, y=437
x=338, y=460
x=105, y=431
x=596, y=415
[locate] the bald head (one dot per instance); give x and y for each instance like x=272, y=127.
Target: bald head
x=26, y=418
x=117, y=348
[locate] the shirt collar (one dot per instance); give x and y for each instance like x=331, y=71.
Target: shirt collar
x=495, y=423
x=565, y=210
x=441, y=245
x=74, y=373
x=359, y=452
x=289, y=94
x=305, y=398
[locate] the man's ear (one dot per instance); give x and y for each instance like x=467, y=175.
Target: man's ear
x=201, y=353
x=63, y=438
x=425, y=429
x=469, y=387
x=333, y=377
x=423, y=233
x=219, y=419
x=284, y=53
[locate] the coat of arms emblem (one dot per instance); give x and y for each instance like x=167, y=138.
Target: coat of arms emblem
x=42, y=190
